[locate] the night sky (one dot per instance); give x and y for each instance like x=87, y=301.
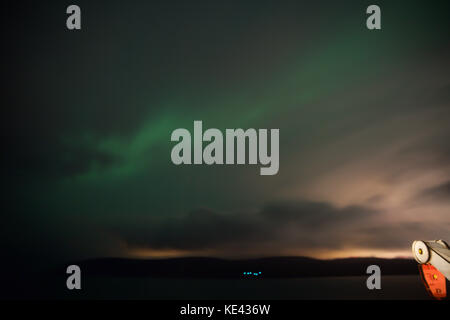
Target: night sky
x=364, y=119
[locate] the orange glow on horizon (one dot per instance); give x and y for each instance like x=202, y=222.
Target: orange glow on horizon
x=146, y=253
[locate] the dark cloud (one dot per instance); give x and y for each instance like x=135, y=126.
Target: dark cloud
x=298, y=226
x=305, y=224
x=314, y=214
x=199, y=229
x=440, y=192
x=51, y=158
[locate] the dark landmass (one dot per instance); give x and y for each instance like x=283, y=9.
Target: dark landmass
x=182, y=278
x=273, y=267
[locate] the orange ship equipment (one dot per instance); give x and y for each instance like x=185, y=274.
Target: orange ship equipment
x=434, y=265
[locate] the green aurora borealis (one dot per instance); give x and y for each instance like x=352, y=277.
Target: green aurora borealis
x=363, y=116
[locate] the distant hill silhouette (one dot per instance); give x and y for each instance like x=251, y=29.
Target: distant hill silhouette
x=273, y=267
